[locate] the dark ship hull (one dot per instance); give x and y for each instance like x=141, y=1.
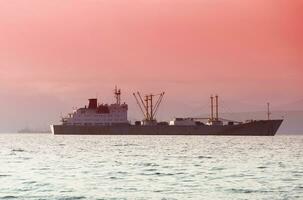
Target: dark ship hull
x=254, y=128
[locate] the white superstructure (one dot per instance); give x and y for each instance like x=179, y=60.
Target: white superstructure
x=99, y=114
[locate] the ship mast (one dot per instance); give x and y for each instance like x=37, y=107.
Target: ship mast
x=147, y=106
x=117, y=93
x=211, y=108
x=217, y=108
x=214, y=110
x=214, y=106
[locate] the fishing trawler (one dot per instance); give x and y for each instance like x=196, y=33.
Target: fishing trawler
x=105, y=119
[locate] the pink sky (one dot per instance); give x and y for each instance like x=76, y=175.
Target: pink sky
x=66, y=51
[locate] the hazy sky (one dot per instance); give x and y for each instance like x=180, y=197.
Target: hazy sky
x=55, y=54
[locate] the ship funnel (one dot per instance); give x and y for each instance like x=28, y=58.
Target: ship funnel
x=93, y=104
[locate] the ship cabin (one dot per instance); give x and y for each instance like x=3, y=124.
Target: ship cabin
x=98, y=114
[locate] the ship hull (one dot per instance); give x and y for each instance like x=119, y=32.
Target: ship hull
x=254, y=128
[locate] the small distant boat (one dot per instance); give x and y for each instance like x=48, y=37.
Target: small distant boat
x=104, y=119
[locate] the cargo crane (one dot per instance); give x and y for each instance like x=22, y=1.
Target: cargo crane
x=147, y=106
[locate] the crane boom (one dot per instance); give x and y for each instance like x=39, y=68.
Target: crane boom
x=158, y=103
x=141, y=99
x=146, y=105
x=139, y=104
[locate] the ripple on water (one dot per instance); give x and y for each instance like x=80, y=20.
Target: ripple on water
x=29, y=182
x=9, y=197
x=17, y=150
x=125, y=145
x=72, y=198
x=68, y=168
x=241, y=190
x=4, y=175
x=217, y=169
x=66, y=191
x=157, y=174
x=205, y=157
x=150, y=170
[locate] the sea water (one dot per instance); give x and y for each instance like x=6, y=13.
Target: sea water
x=41, y=166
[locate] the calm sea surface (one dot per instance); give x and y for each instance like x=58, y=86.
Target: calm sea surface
x=150, y=167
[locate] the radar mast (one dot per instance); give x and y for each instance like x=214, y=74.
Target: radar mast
x=117, y=93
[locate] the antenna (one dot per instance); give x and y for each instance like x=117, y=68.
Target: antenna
x=268, y=111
